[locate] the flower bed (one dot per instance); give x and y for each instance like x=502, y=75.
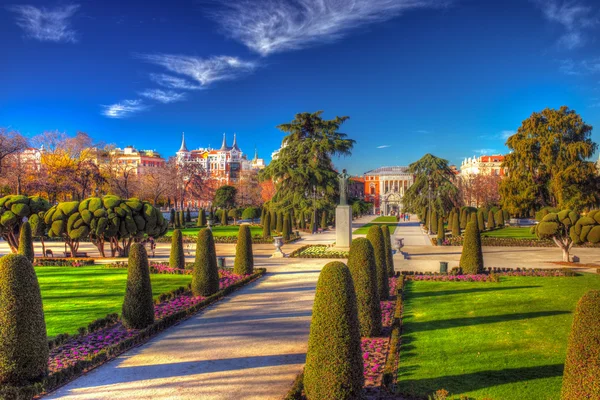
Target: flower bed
x=157, y=268
x=318, y=251
x=107, y=338
x=491, y=274
x=507, y=242
x=62, y=262
x=256, y=239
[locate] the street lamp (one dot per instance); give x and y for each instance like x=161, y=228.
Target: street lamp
x=430, y=196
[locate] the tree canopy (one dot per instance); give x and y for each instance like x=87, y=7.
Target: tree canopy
x=225, y=197
x=303, y=171
x=434, y=171
x=548, y=166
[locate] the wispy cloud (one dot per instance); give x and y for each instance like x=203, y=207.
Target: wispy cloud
x=271, y=26
x=385, y=146
x=46, y=25
x=203, y=70
x=506, y=134
x=174, y=82
x=574, y=15
x=123, y=109
x=585, y=67
x=163, y=96
x=485, y=151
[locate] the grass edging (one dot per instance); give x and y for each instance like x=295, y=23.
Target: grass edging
x=390, y=370
x=53, y=381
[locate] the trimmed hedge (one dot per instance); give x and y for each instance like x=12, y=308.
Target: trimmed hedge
x=455, y=225
x=390, y=370
x=480, y=221
x=361, y=263
x=471, y=259
x=389, y=257
x=205, y=276
x=244, y=258
x=266, y=223
x=581, y=378
x=23, y=342
x=334, y=365
x=375, y=236
x=286, y=227
x=138, y=306
x=441, y=232
x=26, y=242
x=491, y=224
x=177, y=256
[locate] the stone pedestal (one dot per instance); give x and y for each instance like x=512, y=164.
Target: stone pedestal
x=343, y=227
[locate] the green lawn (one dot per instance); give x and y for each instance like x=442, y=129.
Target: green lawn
x=229, y=230
x=74, y=297
x=488, y=340
x=511, y=232
x=389, y=221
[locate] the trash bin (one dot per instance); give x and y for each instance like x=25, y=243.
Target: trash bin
x=443, y=267
x=221, y=262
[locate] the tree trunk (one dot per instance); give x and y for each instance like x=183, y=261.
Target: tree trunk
x=43, y=246
x=565, y=247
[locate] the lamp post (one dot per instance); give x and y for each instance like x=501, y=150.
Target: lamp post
x=430, y=196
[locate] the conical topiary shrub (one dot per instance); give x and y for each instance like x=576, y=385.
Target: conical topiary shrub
x=279, y=228
x=490, y=222
x=434, y=222
x=286, y=227
x=324, y=220
x=464, y=218
x=389, y=257
x=182, y=219
x=581, y=377
x=441, y=232
x=334, y=365
x=455, y=225
x=471, y=259
x=376, y=238
x=266, y=225
x=361, y=263
x=205, y=277
x=244, y=259
x=480, y=221
x=201, y=218
x=173, y=219
x=138, y=306
x=473, y=218
x=177, y=257
x=273, y=220
x=26, y=242
x=224, y=217
x=23, y=342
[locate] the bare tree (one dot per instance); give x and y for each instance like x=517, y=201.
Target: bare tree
x=191, y=180
x=249, y=190
x=11, y=142
x=158, y=183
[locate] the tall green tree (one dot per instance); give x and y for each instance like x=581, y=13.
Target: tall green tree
x=225, y=197
x=303, y=172
x=433, y=177
x=547, y=164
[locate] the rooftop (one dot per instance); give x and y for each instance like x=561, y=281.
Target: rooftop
x=388, y=171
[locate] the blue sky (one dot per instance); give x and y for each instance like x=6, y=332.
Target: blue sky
x=452, y=78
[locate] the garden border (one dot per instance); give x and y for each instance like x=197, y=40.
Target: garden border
x=60, y=378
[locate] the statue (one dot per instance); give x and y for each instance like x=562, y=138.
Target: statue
x=343, y=178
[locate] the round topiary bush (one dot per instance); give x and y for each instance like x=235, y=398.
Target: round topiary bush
x=361, y=263
x=334, y=365
x=375, y=236
x=471, y=259
x=581, y=377
x=26, y=242
x=389, y=257
x=23, y=342
x=177, y=257
x=138, y=306
x=244, y=259
x=266, y=223
x=205, y=278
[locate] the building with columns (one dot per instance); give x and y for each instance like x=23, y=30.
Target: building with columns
x=224, y=164
x=482, y=165
x=385, y=187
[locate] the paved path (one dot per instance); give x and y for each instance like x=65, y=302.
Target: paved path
x=412, y=233
x=250, y=345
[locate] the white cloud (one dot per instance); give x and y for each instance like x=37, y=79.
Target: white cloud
x=385, y=146
x=163, y=96
x=573, y=15
x=174, y=82
x=270, y=26
x=123, y=109
x=584, y=67
x=485, y=151
x=203, y=70
x=506, y=134
x=46, y=25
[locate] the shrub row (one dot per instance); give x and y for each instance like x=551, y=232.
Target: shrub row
x=510, y=242
x=63, y=376
x=317, y=251
x=256, y=239
x=390, y=370
x=63, y=262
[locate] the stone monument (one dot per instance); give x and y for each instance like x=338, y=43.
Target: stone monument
x=343, y=216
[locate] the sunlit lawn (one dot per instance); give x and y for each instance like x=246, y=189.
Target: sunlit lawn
x=74, y=297
x=488, y=340
x=510, y=232
x=229, y=230
x=389, y=221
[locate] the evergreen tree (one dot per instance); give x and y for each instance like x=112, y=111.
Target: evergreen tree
x=279, y=227
x=464, y=218
x=441, y=233
x=389, y=257
x=490, y=221
x=455, y=225
x=434, y=222
x=188, y=215
x=480, y=221
x=267, y=226
x=177, y=257
x=286, y=227
x=375, y=236
x=244, y=258
x=138, y=306
x=205, y=277
x=324, y=220
x=26, y=242
x=172, y=219
x=471, y=259
x=224, y=217
x=273, y=221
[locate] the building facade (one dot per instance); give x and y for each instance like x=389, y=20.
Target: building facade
x=356, y=188
x=138, y=161
x=225, y=164
x=483, y=165
x=385, y=188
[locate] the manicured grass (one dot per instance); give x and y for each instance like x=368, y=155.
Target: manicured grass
x=384, y=219
x=229, y=230
x=365, y=228
x=511, y=232
x=74, y=297
x=502, y=340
